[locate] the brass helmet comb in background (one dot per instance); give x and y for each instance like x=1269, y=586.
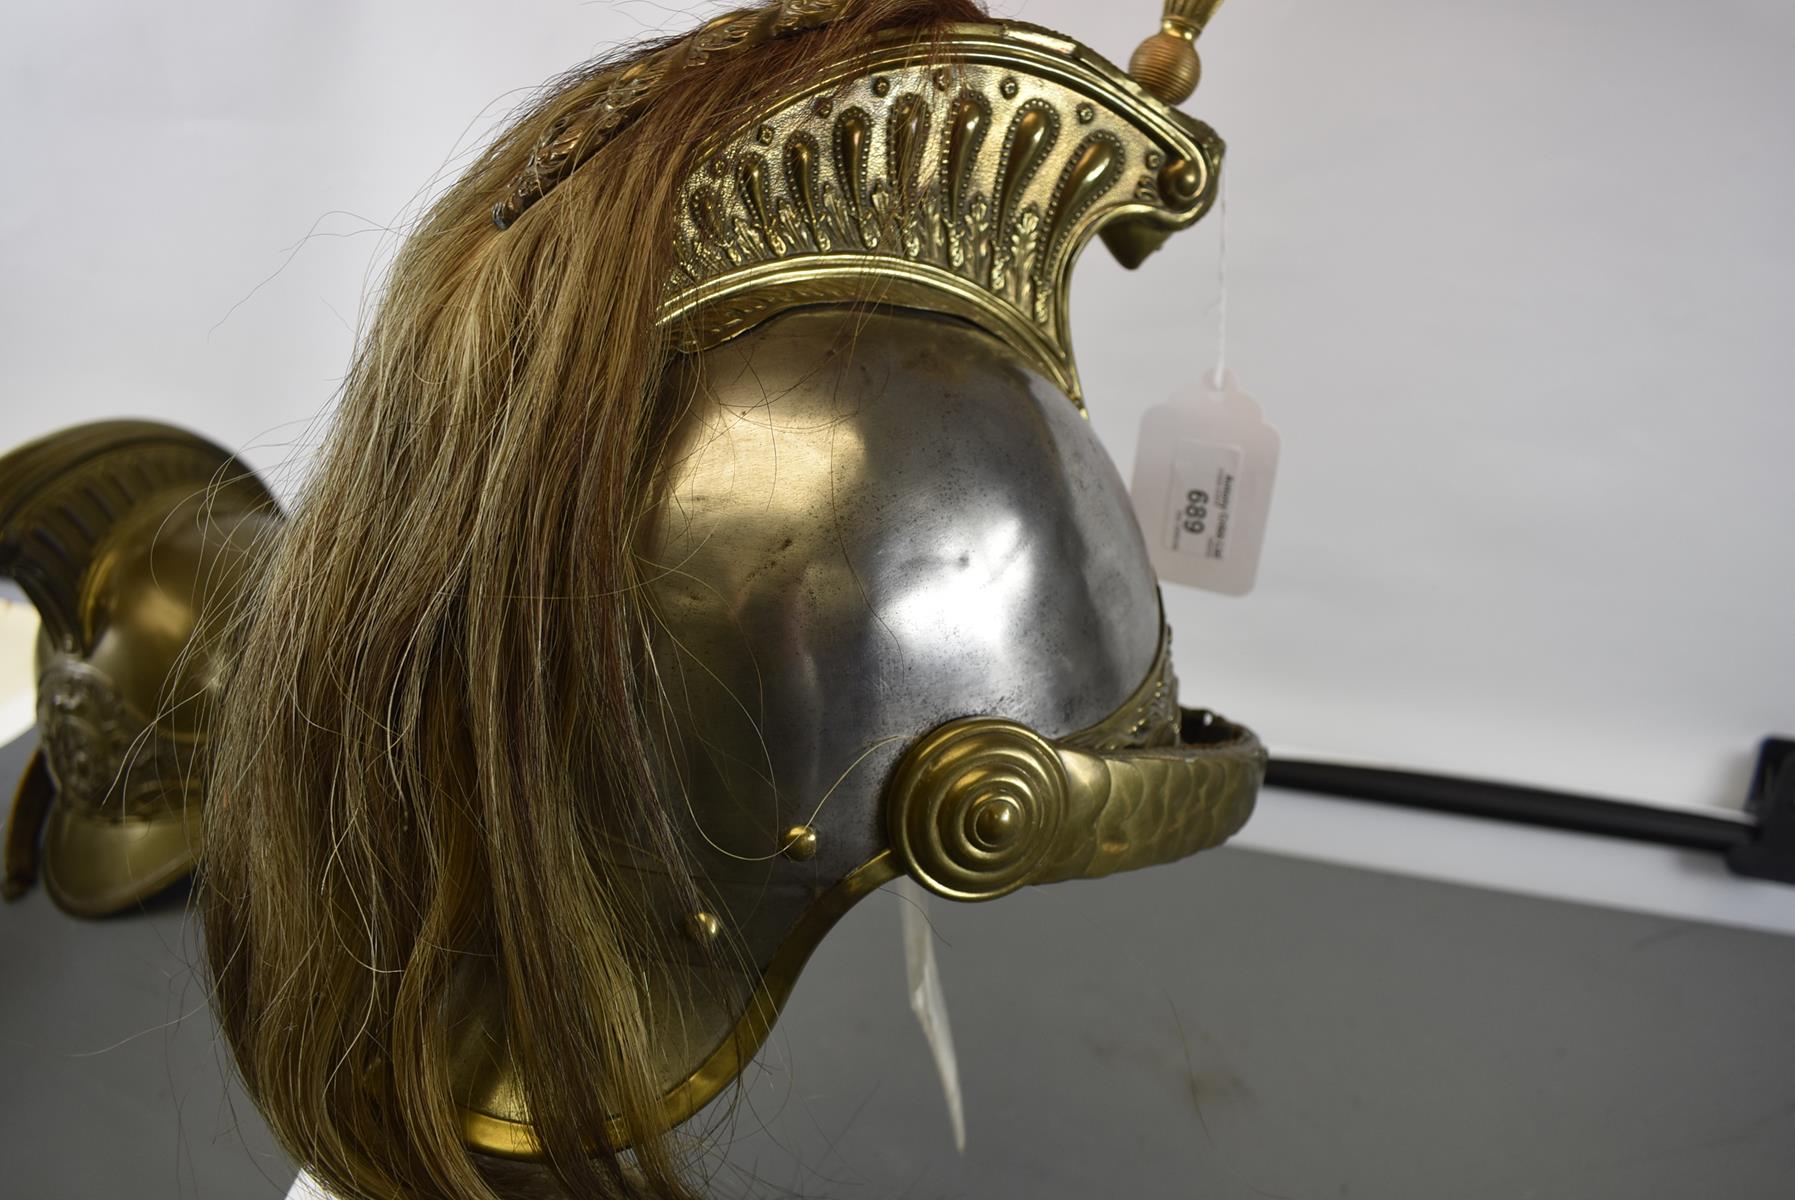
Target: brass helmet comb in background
x=125, y=535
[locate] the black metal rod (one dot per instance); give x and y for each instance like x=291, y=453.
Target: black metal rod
x=1508, y=802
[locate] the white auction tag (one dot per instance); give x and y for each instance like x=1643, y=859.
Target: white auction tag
x=1202, y=487
x=304, y=1189
x=929, y=1002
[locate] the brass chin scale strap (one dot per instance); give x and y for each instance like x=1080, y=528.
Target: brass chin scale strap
x=981, y=807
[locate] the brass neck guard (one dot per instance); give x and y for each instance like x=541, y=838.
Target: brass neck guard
x=967, y=187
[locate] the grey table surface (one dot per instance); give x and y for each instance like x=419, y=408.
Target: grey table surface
x=1236, y=1026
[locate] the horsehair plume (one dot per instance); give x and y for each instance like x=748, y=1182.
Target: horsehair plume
x=435, y=720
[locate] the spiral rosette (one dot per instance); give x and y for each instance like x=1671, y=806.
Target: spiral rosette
x=977, y=807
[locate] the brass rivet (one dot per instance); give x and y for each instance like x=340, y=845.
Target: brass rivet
x=881, y=86
x=765, y=134
x=1181, y=180
x=800, y=843
x=703, y=927
x=823, y=106
x=941, y=78
x=996, y=823
x=1009, y=87
x=1086, y=114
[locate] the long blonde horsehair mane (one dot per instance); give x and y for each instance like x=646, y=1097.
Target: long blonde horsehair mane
x=436, y=712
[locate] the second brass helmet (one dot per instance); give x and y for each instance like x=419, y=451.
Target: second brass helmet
x=128, y=537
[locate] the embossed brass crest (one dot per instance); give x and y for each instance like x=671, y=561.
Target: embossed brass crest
x=967, y=189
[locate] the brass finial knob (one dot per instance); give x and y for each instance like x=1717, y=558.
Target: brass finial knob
x=1166, y=64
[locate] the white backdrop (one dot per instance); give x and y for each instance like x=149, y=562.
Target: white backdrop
x=1516, y=282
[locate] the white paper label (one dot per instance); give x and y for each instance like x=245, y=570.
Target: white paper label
x=1202, y=487
x=929, y=1002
